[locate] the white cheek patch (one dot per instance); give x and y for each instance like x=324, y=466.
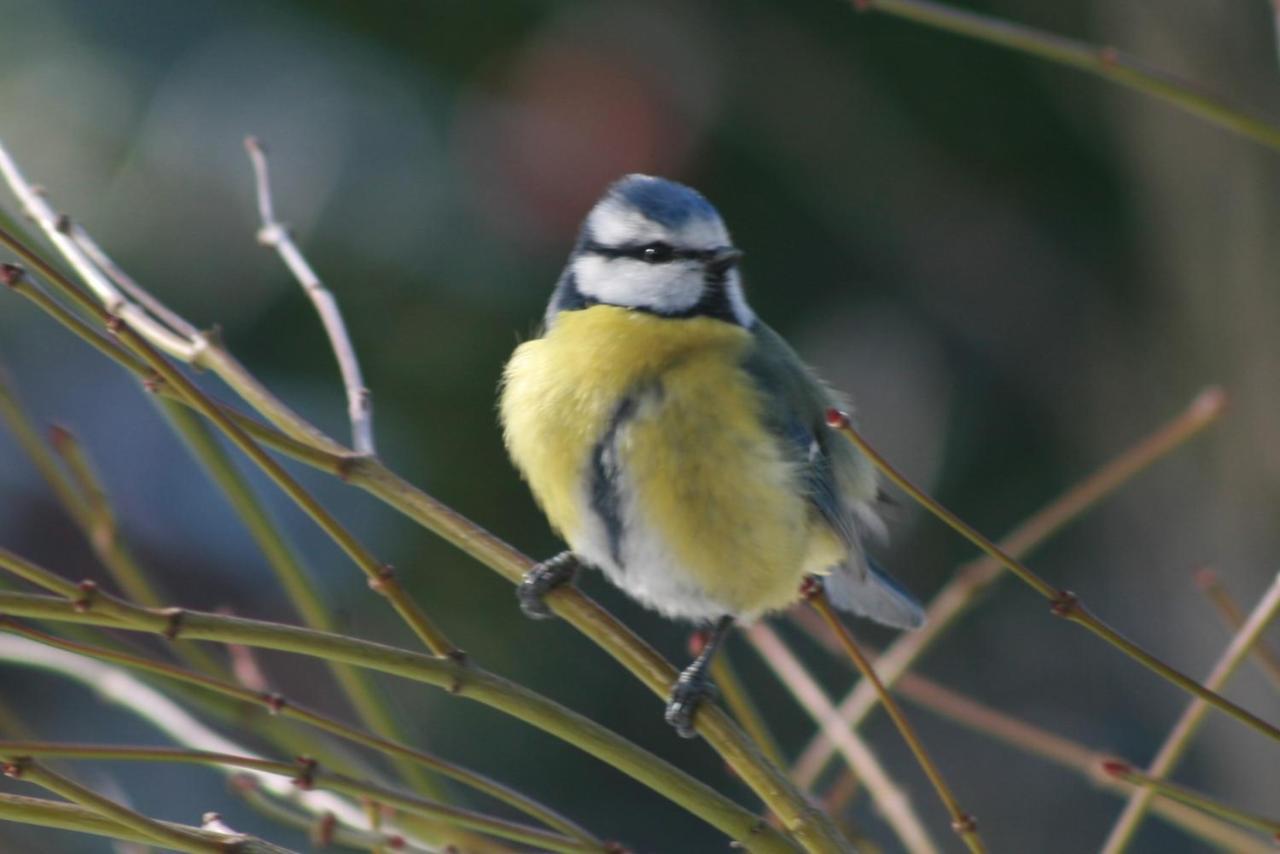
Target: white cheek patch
x=669, y=288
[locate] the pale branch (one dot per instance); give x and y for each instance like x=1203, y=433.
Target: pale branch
x=1063, y=603
x=892, y=802
x=1179, y=739
x=1103, y=61
x=116, y=686
x=459, y=679
x=811, y=828
x=962, y=822
x=975, y=577
x=275, y=235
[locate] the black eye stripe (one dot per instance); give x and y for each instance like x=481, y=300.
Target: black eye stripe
x=637, y=251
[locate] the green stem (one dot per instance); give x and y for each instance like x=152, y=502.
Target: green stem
x=1105, y=62
x=744, y=709
x=292, y=575
x=19, y=767
x=811, y=828
x=1182, y=794
x=961, y=822
x=285, y=708
x=307, y=775
x=1179, y=739
x=64, y=816
x=972, y=579
x=1065, y=604
x=456, y=677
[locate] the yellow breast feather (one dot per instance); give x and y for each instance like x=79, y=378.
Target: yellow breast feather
x=709, y=481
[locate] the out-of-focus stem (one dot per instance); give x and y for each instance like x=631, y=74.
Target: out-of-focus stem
x=1179, y=738
x=961, y=821
x=1105, y=62
x=1064, y=603
x=975, y=577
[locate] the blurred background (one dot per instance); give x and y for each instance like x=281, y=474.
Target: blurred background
x=1014, y=269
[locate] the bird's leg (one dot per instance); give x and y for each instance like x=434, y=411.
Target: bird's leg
x=541, y=580
x=693, y=687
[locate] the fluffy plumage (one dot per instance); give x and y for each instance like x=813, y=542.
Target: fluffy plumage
x=675, y=441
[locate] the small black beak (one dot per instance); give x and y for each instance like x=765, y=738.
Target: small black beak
x=722, y=260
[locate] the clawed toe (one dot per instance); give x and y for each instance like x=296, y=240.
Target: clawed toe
x=686, y=698
x=541, y=580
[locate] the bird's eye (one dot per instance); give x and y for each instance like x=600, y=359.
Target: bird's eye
x=657, y=253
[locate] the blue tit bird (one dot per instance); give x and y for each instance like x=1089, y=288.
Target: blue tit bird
x=677, y=443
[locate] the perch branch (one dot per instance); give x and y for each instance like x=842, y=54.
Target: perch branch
x=977, y=576
x=1063, y=603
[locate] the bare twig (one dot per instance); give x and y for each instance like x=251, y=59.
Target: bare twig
x=1063, y=603
x=961, y=822
x=119, y=687
x=280, y=705
x=1105, y=62
x=1179, y=738
x=307, y=775
x=1263, y=655
x=275, y=235
x=65, y=816
x=459, y=679
x=975, y=577
x=892, y=802
x=1159, y=787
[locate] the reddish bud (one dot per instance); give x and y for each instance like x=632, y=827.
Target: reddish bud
x=275, y=703
x=88, y=590
x=323, y=831
x=15, y=768
x=384, y=579
x=1064, y=604
x=964, y=823
x=811, y=587
x=306, y=778
x=837, y=419
x=395, y=842
x=11, y=274
x=1116, y=767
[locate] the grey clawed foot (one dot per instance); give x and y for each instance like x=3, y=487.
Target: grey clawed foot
x=692, y=689
x=541, y=580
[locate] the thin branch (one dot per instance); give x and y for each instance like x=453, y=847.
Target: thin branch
x=1163, y=788
x=1063, y=603
x=738, y=700
x=64, y=816
x=56, y=228
x=1087, y=762
x=961, y=821
x=1179, y=738
x=19, y=766
x=308, y=776
x=812, y=829
x=292, y=574
x=458, y=679
x=1105, y=62
x=202, y=349
x=380, y=576
x=277, y=704
x=119, y=687
x=275, y=235
x=893, y=803
x=974, y=578
x=1233, y=616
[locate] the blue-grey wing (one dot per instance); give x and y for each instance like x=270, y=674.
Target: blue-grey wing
x=836, y=479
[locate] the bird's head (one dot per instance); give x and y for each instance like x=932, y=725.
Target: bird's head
x=657, y=246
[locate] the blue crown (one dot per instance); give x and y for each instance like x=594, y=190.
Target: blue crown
x=662, y=201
